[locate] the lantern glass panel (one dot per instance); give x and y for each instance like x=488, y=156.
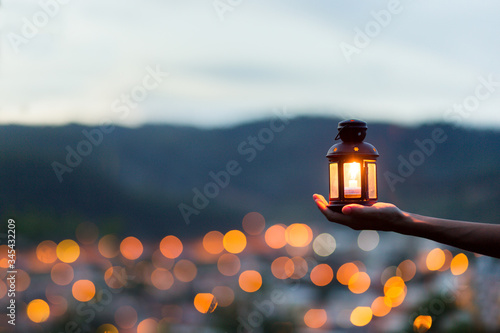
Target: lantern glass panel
x=352, y=180
x=334, y=180
x=372, y=180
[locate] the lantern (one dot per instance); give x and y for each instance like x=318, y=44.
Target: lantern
x=353, y=167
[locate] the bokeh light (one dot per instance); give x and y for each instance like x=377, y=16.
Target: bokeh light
x=368, y=240
x=229, y=264
x=46, y=251
x=253, y=223
x=162, y=279
x=87, y=233
x=381, y=306
x=212, y=242
x=361, y=316
x=406, y=270
x=185, y=270
x=345, y=272
x=324, y=245
x=321, y=275
x=282, y=268
x=250, y=281
x=83, y=290
x=171, y=247
x=4, y=256
x=205, y=302
x=125, y=316
x=148, y=325
x=435, y=259
x=300, y=267
x=38, y=311
x=422, y=324
x=298, y=235
x=315, y=318
x=109, y=246
x=68, y=251
x=107, y=328
x=359, y=282
x=234, y=241
x=224, y=295
x=131, y=248
x=115, y=277
x=275, y=236
x=459, y=264
x=23, y=280
x=62, y=274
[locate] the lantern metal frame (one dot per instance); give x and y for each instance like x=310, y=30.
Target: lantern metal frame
x=352, y=149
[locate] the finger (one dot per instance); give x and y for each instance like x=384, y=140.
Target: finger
x=320, y=197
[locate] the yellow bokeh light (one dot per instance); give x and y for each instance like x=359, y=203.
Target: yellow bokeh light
x=83, y=290
x=224, y=295
x=185, y=270
x=359, y=283
x=46, y=252
x=321, y=275
x=234, y=241
x=38, y=311
x=422, y=324
x=253, y=223
x=250, y=281
x=229, y=264
x=298, y=235
x=107, y=328
x=212, y=242
x=171, y=247
x=394, y=287
x=205, y=302
x=131, y=248
x=459, y=264
x=275, y=236
x=315, y=318
x=68, y=251
x=345, y=272
x=62, y=274
x=435, y=259
x=4, y=256
x=381, y=306
x=109, y=246
x=149, y=325
x=162, y=279
x=361, y=316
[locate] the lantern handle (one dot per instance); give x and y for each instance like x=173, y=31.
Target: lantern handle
x=338, y=134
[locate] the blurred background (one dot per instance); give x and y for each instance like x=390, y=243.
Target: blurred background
x=159, y=157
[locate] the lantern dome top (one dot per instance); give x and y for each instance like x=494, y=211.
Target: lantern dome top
x=352, y=130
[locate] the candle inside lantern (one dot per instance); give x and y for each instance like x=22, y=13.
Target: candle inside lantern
x=352, y=180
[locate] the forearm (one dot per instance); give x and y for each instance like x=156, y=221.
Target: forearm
x=480, y=238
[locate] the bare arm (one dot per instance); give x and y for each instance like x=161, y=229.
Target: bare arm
x=481, y=238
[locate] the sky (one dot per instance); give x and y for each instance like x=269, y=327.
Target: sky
x=218, y=63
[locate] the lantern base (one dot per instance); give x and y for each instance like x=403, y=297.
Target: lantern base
x=337, y=207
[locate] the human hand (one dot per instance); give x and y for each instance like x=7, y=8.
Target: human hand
x=380, y=216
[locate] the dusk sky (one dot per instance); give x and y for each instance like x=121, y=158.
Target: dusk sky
x=232, y=61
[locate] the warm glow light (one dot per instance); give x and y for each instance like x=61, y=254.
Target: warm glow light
x=345, y=272
x=361, y=316
x=406, y=270
x=38, y=311
x=4, y=256
x=324, y=245
x=109, y=246
x=131, y=248
x=321, y=275
x=300, y=267
x=394, y=287
x=212, y=242
x=185, y=270
x=298, y=235
x=68, y=251
x=352, y=180
x=250, y=281
x=359, y=283
x=46, y=252
x=87, y=233
x=435, y=259
x=234, y=241
x=224, y=295
x=315, y=318
x=448, y=257
x=83, y=290
x=459, y=264
x=107, y=328
x=282, y=268
x=381, y=306
x=149, y=325
x=126, y=316
x=229, y=264
x=171, y=247
x=62, y=274
x=116, y=277
x=422, y=324
x=275, y=236
x=205, y=302
x=162, y=279
x=253, y=223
